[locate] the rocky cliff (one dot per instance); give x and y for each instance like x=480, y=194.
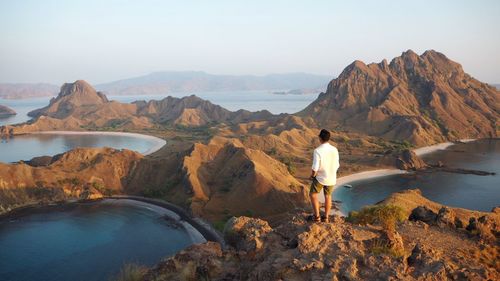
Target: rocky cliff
x=423, y=99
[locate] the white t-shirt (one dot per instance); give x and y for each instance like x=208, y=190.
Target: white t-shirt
x=326, y=163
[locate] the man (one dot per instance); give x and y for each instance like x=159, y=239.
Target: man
x=323, y=175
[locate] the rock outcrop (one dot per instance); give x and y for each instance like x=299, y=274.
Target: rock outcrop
x=6, y=111
x=297, y=250
x=408, y=160
x=423, y=99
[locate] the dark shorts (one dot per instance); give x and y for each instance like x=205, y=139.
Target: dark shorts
x=316, y=187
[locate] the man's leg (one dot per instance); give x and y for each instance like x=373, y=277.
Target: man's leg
x=328, y=205
x=328, y=201
x=315, y=203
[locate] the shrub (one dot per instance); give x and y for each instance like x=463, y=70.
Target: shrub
x=131, y=272
x=289, y=165
x=382, y=248
x=385, y=215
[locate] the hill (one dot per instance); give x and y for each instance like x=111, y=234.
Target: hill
x=423, y=99
x=79, y=106
x=6, y=111
x=27, y=90
x=197, y=81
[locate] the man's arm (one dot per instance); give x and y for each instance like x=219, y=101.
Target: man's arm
x=316, y=164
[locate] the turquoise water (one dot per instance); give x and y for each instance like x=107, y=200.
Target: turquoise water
x=458, y=190
x=25, y=147
x=90, y=241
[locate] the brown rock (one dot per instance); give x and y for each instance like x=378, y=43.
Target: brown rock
x=246, y=234
x=446, y=217
x=422, y=213
x=408, y=160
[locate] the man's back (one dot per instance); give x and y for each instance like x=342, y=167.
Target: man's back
x=326, y=163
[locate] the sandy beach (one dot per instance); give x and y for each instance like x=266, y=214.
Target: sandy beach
x=432, y=148
x=159, y=143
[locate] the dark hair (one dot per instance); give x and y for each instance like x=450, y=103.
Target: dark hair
x=324, y=135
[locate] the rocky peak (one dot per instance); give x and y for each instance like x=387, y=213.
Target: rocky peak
x=422, y=99
x=71, y=96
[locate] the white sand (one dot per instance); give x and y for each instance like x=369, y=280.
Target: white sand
x=440, y=146
x=159, y=143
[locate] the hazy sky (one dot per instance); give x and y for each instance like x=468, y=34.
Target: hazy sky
x=100, y=41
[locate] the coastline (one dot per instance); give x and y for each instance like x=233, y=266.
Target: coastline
x=435, y=147
x=198, y=230
x=159, y=143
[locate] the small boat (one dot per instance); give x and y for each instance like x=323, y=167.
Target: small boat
x=347, y=186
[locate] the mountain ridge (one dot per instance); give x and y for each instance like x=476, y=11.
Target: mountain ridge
x=423, y=99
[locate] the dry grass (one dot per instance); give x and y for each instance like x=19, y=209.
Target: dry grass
x=385, y=215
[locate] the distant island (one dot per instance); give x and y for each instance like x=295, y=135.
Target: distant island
x=6, y=111
x=298, y=92
x=27, y=90
x=162, y=83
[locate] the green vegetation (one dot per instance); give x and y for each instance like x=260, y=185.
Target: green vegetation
x=272, y=151
x=289, y=165
x=131, y=272
x=72, y=181
x=382, y=248
x=385, y=215
x=102, y=189
x=158, y=191
x=219, y=225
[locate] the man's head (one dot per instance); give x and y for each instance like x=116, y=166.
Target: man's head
x=324, y=136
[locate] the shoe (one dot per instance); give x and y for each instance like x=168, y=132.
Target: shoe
x=313, y=218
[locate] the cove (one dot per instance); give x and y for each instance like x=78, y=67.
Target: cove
x=25, y=147
x=89, y=241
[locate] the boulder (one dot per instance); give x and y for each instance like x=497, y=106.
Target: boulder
x=246, y=234
x=40, y=161
x=422, y=213
x=393, y=240
x=485, y=227
x=427, y=263
x=446, y=217
x=197, y=262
